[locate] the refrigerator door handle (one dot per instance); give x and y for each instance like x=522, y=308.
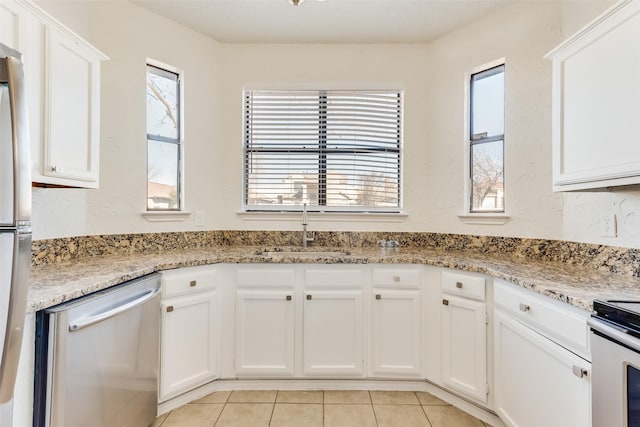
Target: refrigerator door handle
x=20, y=141
x=15, y=317
x=12, y=74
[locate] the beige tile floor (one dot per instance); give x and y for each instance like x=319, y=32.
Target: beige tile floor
x=318, y=408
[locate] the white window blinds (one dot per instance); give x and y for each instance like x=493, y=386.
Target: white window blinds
x=332, y=149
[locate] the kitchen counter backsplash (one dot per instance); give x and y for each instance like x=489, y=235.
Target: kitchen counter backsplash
x=617, y=260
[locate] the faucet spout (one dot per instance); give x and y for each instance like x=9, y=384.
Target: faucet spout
x=305, y=237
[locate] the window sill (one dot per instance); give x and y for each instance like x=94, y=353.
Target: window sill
x=166, y=216
x=323, y=216
x=485, y=219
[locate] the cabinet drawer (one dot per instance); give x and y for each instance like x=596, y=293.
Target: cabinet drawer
x=462, y=284
x=187, y=280
x=567, y=325
x=334, y=277
x=396, y=277
x=273, y=277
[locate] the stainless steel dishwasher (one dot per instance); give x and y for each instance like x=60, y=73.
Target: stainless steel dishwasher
x=100, y=358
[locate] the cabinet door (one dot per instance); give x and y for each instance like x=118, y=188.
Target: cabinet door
x=595, y=103
x=264, y=333
x=537, y=382
x=10, y=16
x=333, y=333
x=71, y=124
x=464, y=346
x=396, y=333
x=189, y=343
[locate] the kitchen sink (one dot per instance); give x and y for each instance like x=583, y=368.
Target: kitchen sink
x=303, y=253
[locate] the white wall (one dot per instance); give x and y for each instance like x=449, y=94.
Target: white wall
x=522, y=34
x=432, y=75
x=129, y=35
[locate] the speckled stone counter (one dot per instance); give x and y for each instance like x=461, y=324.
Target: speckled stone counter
x=573, y=283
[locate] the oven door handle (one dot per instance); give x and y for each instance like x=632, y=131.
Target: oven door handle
x=614, y=333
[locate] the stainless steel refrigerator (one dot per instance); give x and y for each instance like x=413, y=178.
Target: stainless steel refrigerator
x=15, y=219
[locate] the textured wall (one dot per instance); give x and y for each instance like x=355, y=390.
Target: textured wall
x=432, y=75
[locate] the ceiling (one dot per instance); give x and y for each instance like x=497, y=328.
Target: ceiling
x=318, y=21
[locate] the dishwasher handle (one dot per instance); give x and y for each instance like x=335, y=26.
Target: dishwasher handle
x=92, y=320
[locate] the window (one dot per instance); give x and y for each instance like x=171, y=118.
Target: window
x=486, y=141
x=333, y=150
x=163, y=140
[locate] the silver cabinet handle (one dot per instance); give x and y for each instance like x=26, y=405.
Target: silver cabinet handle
x=378, y=296
x=309, y=296
x=92, y=320
x=193, y=283
x=524, y=307
x=578, y=371
x=288, y=297
x=445, y=302
x=169, y=309
x=459, y=285
x=57, y=169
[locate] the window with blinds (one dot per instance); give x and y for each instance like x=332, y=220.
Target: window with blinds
x=331, y=149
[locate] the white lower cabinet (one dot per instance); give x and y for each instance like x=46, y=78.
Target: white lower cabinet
x=265, y=319
x=396, y=323
x=538, y=382
x=464, y=346
x=264, y=332
x=189, y=337
x=333, y=333
x=463, y=322
x=313, y=321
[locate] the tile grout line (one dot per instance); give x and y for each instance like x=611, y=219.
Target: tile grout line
x=273, y=408
x=375, y=418
x=423, y=411
x=323, y=400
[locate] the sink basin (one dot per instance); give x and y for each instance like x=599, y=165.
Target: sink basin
x=308, y=253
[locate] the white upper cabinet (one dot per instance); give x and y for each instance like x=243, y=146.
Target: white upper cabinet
x=595, y=103
x=62, y=74
x=71, y=112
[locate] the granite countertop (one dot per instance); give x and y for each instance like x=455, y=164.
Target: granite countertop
x=576, y=285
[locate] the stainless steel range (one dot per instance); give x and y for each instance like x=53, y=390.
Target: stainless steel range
x=615, y=347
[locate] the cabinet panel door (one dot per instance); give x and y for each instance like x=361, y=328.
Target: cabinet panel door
x=71, y=122
x=189, y=343
x=464, y=346
x=10, y=24
x=535, y=383
x=396, y=333
x=333, y=333
x=264, y=333
x=595, y=103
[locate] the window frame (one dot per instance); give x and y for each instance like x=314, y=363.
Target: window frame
x=322, y=156
x=473, y=140
x=165, y=70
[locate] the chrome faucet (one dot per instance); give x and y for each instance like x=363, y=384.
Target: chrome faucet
x=305, y=238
